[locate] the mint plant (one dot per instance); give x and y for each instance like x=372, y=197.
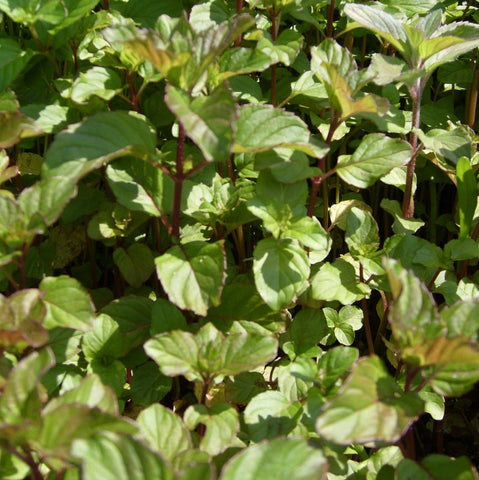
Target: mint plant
x=238, y=239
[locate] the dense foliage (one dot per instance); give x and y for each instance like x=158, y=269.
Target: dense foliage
x=238, y=241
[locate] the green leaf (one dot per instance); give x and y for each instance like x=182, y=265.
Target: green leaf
x=140, y=186
x=413, y=314
x=284, y=49
x=280, y=459
x=222, y=424
x=281, y=269
x=344, y=323
x=338, y=281
x=14, y=126
x=44, y=202
x=23, y=394
x=337, y=70
x=461, y=249
x=466, y=195
x=379, y=22
x=209, y=353
x=338, y=212
x=105, y=340
x=462, y=318
x=23, y=313
x=271, y=414
x=263, y=127
x=136, y=263
x=90, y=392
x=306, y=331
x=85, y=146
x=166, y=317
x=371, y=407
x=361, y=232
x=276, y=216
x=193, y=275
x=437, y=467
x=209, y=14
x=448, y=42
x=268, y=190
x=146, y=12
x=148, y=385
x=112, y=456
x=334, y=364
x=50, y=118
x=287, y=166
x=296, y=379
x=68, y=304
x=375, y=156
x=164, y=431
x=240, y=61
x=69, y=423
x=387, y=70
x=208, y=121
x=400, y=225
x=311, y=234
x=243, y=387
x=133, y=315
x=241, y=301
x=450, y=144
x=13, y=60
x=97, y=81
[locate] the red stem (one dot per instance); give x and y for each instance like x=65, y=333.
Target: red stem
x=330, y=19
x=133, y=95
x=106, y=5
x=273, y=67
x=408, y=203
x=239, y=7
x=316, y=181
x=364, y=307
x=179, y=177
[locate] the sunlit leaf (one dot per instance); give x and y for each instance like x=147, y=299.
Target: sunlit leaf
x=370, y=407
x=375, y=156
x=221, y=421
x=281, y=268
x=193, y=275
x=280, y=459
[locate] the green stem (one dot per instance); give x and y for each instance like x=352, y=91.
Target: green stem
x=179, y=177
